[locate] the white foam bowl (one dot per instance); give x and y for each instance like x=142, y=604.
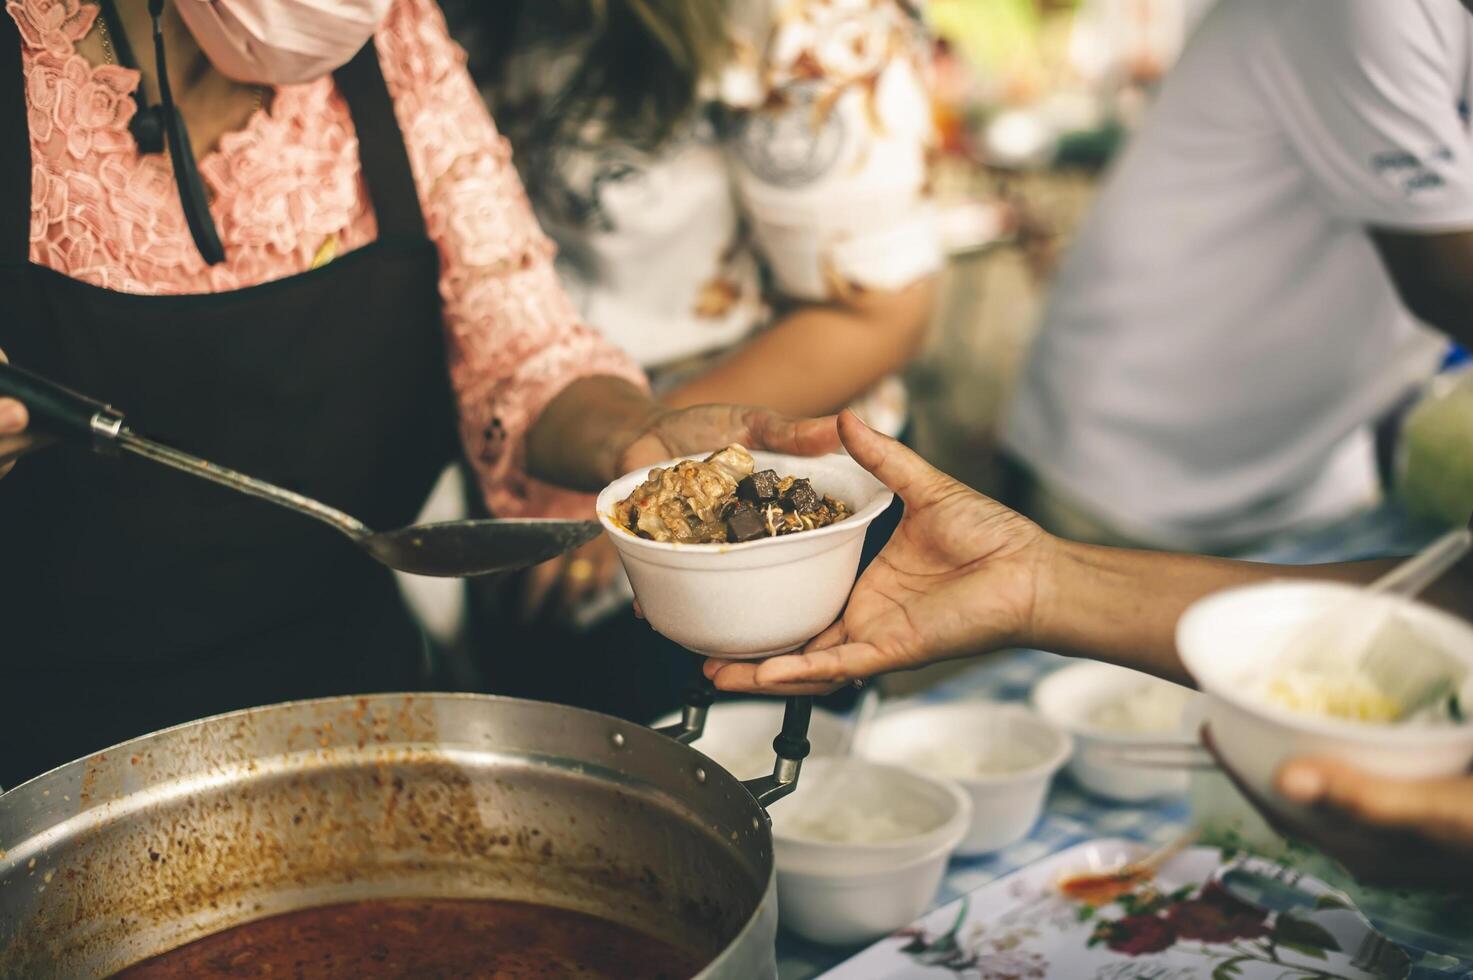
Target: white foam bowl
x=1006, y=804
x=1070, y=696
x=1231, y=638
x=758, y=598
x=738, y=734
x=847, y=893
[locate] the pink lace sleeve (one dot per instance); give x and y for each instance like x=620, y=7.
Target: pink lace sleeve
x=515, y=340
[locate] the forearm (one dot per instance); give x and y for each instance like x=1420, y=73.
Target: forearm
x=579, y=438
x=1122, y=606
x=818, y=358
x=1431, y=273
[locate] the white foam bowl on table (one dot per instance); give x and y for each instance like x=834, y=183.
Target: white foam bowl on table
x=1005, y=804
x=841, y=894
x=738, y=734
x=1070, y=696
x=1232, y=638
x=757, y=598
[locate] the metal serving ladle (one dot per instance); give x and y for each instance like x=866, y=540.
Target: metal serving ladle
x=452, y=549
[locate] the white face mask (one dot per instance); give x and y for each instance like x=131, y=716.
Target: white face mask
x=281, y=42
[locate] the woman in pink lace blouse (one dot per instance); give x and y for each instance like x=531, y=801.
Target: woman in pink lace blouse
x=373, y=228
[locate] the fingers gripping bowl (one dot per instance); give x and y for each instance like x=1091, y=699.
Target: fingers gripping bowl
x=754, y=598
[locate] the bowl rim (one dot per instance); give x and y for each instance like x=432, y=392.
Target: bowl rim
x=859, y=520
x=1400, y=735
x=1085, y=730
x=939, y=853
x=955, y=825
x=1046, y=768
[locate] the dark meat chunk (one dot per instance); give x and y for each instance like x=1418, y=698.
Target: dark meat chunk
x=759, y=488
x=711, y=532
x=801, y=498
x=745, y=524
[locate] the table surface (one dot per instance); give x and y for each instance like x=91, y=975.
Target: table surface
x=1071, y=816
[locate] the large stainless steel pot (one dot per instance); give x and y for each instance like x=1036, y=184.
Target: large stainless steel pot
x=182, y=833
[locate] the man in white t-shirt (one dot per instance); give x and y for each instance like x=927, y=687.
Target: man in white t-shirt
x=1241, y=306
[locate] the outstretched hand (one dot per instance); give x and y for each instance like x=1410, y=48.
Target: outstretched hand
x=958, y=577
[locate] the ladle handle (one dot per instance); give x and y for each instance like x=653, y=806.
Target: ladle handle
x=58, y=410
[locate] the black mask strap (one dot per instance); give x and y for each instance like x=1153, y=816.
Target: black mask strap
x=160, y=126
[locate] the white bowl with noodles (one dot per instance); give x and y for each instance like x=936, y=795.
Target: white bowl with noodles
x=1233, y=642
x=757, y=598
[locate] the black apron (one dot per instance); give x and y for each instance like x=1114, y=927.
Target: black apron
x=133, y=597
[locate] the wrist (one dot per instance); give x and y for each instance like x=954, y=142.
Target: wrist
x=1049, y=570
x=625, y=432
x=582, y=436
x=1116, y=605
x=1083, y=597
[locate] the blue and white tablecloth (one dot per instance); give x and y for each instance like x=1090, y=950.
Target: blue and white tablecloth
x=1070, y=815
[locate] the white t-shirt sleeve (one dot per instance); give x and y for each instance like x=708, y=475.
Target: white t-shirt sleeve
x=829, y=151
x=1369, y=94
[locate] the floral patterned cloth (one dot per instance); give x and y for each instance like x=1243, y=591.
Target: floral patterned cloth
x=286, y=189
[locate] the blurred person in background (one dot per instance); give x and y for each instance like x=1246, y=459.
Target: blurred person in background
x=1114, y=42
x=1239, y=312
x=738, y=200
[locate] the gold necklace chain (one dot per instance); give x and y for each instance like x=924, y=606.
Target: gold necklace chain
x=110, y=56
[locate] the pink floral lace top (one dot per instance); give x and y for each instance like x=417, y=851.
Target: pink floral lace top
x=286, y=192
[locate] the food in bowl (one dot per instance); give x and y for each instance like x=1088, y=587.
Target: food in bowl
x=1400, y=676
x=1147, y=708
x=850, y=814
x=1353, y=697
x=1003, y=756
x=838, y=821
x=1112, y=711
x=1232, y=643
x=752, y=598
x=723, y=499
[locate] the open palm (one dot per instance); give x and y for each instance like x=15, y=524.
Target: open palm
x=956, y=578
